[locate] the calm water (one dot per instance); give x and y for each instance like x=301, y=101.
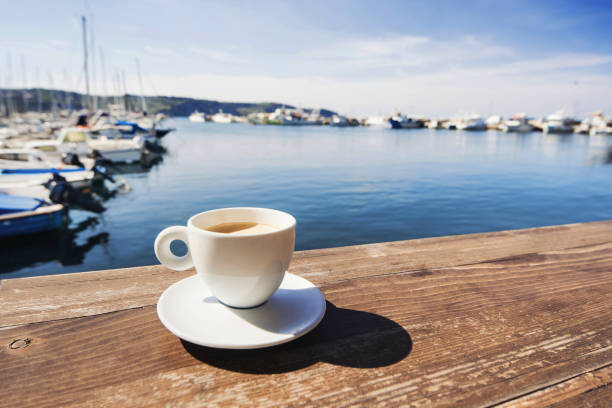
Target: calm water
x=344, y=186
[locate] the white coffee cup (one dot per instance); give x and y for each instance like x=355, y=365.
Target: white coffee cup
x=240, y=270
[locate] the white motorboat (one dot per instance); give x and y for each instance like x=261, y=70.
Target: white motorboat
x=597, y=124
x=28, y=167
x=471, y=121
x=435, y=124
x=494, y=122
x=197, y=117
x=221, y=117
x=377, y=121
x=399, y=121
x=338, y=121
x=79, y=141
x=558, y=123
x=518, y=123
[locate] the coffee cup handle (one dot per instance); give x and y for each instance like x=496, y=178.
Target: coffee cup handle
x=165, y=255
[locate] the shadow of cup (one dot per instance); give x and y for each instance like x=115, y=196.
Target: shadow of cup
x=345, y=337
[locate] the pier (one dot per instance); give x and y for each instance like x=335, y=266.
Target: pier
x=511, y=318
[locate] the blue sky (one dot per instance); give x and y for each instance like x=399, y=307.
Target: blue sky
x=435, y=58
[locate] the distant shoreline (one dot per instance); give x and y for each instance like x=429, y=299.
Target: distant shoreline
x=21, y=98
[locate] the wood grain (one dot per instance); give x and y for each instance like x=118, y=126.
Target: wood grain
x=520, y=318
x=90, y=293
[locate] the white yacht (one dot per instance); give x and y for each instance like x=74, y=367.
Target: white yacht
x=28, y=167
x=197, y=117
x=518, y=123
x=435, y=124
x=471, y=121
x=557, y=123
x=79, y=141
x=377, y=121
x=494, y=122
x=338, y=121
x=221, y=117
x=596, y=124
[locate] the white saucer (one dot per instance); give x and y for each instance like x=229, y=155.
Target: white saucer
x=191, y=313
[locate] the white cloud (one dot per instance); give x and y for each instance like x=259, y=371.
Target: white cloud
x=361, y=76
x=216, y=55
x=406, y=52
x=434, y=94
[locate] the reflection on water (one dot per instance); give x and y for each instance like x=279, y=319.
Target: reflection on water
x=58, y=246
x=344, y=186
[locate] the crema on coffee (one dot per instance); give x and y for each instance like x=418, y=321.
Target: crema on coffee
x=242, y=228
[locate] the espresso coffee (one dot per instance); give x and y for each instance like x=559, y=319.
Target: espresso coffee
x=242, y=228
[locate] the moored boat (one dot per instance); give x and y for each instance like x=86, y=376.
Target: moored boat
x=79, y=141
x=471, y=121
x=221, y=117
x=399, y=121
x=557, y=122
x=518, y=123
x=26, y=215
x=338, y=121
x=197, y=117
x=494, y=122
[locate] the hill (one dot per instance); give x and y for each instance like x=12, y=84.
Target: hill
x=19, y=99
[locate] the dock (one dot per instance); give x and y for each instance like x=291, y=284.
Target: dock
x=519, y=318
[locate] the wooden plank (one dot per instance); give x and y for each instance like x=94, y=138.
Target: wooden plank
x=37, y=299
x=572, y=393
x=479, y=334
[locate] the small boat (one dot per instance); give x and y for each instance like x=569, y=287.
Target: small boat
x=494, y=122
x=558, y=123
x=471, y=121
x=596, y=124
x=435, y=124
x=377, y=121
x=29, y=167
x=26, y=215
x=338, y=121
x=399, y=121
x=80, y=141
x=221, y=117
x=197, y=116
x=518, y=123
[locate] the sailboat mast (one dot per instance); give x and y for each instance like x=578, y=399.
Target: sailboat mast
x=88, y=99
x=68, y=93
x=125, y=94
x=52, y=93
x=38, y=90
x=104, y=90
x=93, y=63
x=9, y=84
x=24, y=91
x=142, y=98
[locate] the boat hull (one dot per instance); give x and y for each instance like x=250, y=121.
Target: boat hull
x=525, y=128
x=78, y=179
x=396, y=124
x=561, y=130
x=46, y=218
